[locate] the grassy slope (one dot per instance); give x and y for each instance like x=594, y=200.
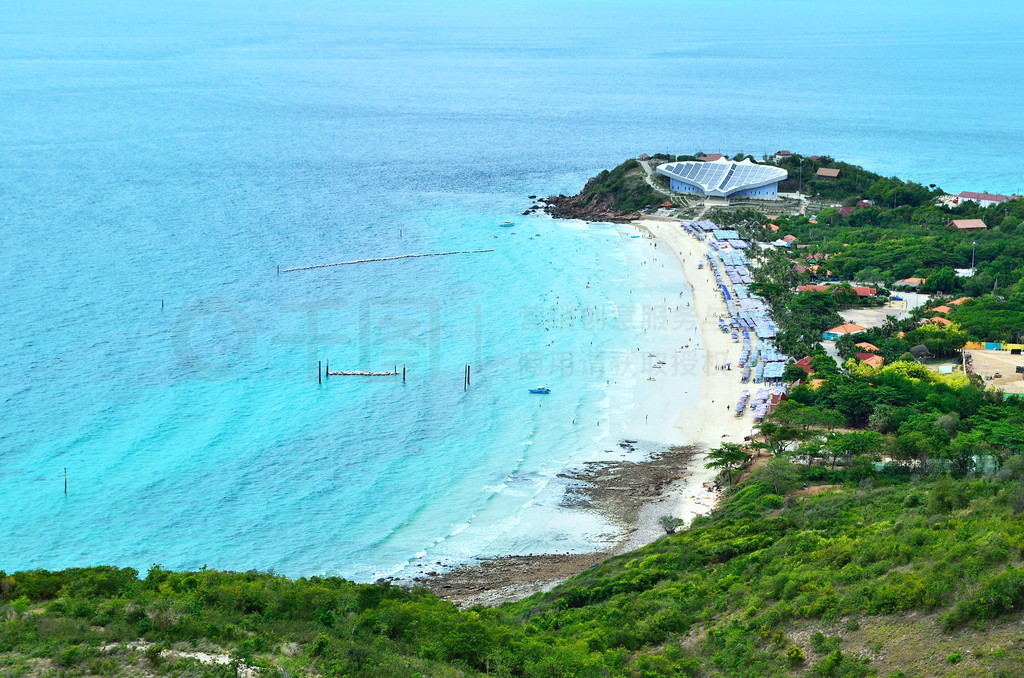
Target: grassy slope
x=877, y=570
x=623, y=188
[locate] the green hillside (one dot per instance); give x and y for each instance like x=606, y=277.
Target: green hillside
x=773, y=584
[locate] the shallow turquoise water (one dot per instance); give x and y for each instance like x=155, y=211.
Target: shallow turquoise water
x=177, y=156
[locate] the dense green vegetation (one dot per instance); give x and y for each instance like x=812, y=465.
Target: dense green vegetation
x=853, y=183
x=904, y=235
x=992, y=318
x=736, y=595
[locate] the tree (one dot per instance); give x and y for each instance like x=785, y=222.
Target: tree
x=778, y=473
x=847, y=446
x=775, y=437
x=728, y=457
x=670, y=524
x=939, y=340
x=943, y=280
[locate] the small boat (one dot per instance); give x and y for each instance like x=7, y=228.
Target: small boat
x=542, y=390
x=507, y=224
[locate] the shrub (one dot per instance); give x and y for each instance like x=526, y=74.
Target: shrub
x=954, y=658
x=795, y=655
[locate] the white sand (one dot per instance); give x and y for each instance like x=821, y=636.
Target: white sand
x=709, y=423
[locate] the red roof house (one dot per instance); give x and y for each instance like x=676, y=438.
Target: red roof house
x=871, y=359
x=984, y=199
x=967, y=224
x=805, y=364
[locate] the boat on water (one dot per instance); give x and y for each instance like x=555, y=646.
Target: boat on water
x=507, y=224
x=543, y=390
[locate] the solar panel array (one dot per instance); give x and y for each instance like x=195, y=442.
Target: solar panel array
x=741, y=175
x=725, y=177
x=707, y=174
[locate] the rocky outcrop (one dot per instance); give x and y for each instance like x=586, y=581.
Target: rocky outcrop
x=618, y=195
x=589, y=206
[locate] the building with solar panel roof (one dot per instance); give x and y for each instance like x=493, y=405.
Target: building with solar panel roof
x=724, y=178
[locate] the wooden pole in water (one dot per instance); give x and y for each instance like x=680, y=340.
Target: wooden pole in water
x=161, y=304
x=468, y=374
x=319, y=372
x=65, y=480
x=403, y=371
x=279, y=269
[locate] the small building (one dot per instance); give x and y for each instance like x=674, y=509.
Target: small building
x=845, y=328
x=912, y=283
x=945, y=310
x=845, y=212
x=871, y=359
x=938, y=320
x=983, y=199
x=805, y=364
x=812, y=288
x=864, y=291
x=782, y=155
x=800, y=269
x=967, y=224
x=710, y=157
x=789, y=238
x=866, y=346
x=957, y=302
x=643, y=156
x=667, y=203
x=827, y=173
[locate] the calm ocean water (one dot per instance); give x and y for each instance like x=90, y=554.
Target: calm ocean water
x=157, y=165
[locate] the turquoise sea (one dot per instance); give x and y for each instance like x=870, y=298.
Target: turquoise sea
x=157, y=164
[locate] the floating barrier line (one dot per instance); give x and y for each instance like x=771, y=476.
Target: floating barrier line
x=360, y=373
x=365, y=261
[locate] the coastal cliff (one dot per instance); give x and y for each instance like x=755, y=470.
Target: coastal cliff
x=619, y=195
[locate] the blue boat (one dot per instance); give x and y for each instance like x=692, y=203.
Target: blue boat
x=507, y=224
x=542, y=390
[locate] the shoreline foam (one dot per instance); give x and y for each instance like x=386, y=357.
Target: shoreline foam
x=683, y=490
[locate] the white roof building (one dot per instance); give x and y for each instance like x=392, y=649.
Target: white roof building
x=724, y=178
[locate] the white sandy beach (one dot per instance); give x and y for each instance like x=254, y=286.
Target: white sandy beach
x=712, y=421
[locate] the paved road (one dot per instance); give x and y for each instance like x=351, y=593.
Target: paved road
x=649, y=176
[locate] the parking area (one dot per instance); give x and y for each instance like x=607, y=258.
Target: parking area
x=987, y=363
